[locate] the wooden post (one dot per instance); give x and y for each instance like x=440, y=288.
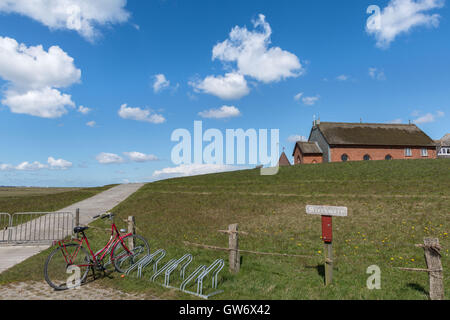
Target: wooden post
x=233, y=244
x=328, y=263
x=132, y=230
x=434, y=265
x=77, y=217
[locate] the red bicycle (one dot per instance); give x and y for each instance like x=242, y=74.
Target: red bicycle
x=70, y=256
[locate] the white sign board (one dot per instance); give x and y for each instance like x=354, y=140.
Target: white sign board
x=327, y=211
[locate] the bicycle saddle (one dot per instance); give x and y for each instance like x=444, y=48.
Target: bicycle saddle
x=79, y=229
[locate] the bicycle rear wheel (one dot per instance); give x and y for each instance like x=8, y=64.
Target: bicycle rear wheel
x=57, y=271
x=123, y=258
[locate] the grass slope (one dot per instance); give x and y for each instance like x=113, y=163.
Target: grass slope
x=392, y=206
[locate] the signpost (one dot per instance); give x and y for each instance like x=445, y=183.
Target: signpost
x=327, y=213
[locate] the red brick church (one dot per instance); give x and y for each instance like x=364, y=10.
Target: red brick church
x=340, y=142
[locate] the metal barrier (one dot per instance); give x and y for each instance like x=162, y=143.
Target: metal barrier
x=5, y=224
x=38, y=227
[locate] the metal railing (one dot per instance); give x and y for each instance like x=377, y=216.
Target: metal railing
x=36, y=227
x=5, y=222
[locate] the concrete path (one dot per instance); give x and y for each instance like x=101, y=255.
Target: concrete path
x=98, y=204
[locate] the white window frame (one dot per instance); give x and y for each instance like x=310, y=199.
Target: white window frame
x=424, y=152
x=408, y=152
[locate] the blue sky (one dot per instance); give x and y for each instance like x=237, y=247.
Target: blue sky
x=289, y=61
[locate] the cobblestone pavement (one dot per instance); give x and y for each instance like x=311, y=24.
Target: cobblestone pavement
x=33, y=290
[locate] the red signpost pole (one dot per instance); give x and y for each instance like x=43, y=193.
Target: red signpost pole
x=327, y=213
x=327, y=237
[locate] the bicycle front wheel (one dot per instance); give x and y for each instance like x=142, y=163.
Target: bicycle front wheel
x=131, y=250
x=59, y=273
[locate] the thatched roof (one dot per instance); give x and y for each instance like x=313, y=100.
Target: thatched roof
x=374, y=134
x=310, y=147
x=444, y=141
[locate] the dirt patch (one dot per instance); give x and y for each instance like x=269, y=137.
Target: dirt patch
x=34, y=290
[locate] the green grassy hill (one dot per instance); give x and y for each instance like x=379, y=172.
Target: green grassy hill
x=392, y=206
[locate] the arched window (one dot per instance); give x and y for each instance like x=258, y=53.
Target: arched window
x=388, y=157
x=366, y=157
x=344, y=157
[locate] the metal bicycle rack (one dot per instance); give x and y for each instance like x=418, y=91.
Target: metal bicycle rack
x=197, y=277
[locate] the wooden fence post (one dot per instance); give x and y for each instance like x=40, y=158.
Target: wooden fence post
x=328, y=263
x=233, y=244
x=77, y=217
x=132, y=230
x=434, y=265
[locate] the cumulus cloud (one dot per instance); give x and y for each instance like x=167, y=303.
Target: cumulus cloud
x=140, y=157
x=160, y=83
x=309, y=101
x=400, y=16
x=82, y=16
x=91, y=124
x=229, y=87
x=194, y=169
x=34, y=78
x=44, y=103
x=253, y=55
x=139, y=114
x=221, y=113
x=294, y=138
x=429, y=117
x=53, y=163
x=59, y=163
x=108, y=158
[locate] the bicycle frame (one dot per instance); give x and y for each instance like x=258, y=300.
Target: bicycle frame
x=114, y=240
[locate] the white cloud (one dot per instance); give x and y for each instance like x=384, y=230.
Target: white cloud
x=27, y=166
x=36, y=165
x=400, y=16
x=221, y=113
x=429, y=117
x=309, y=101
x=376, y=74
x=91, y=124
x=295, y=138
x=82, y=16
x=139, y=114
x=59, y=163
x=160, y=83
x=254, y=57
x=342, y=77
x=83, y=110
x=194, y=169
x=140, y=157
x=34, y=78
x=44, y=103
x=108, y=158
x=298, y=96
x=229, y=87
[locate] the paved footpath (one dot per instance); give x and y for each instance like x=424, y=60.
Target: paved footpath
x=98, y=204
